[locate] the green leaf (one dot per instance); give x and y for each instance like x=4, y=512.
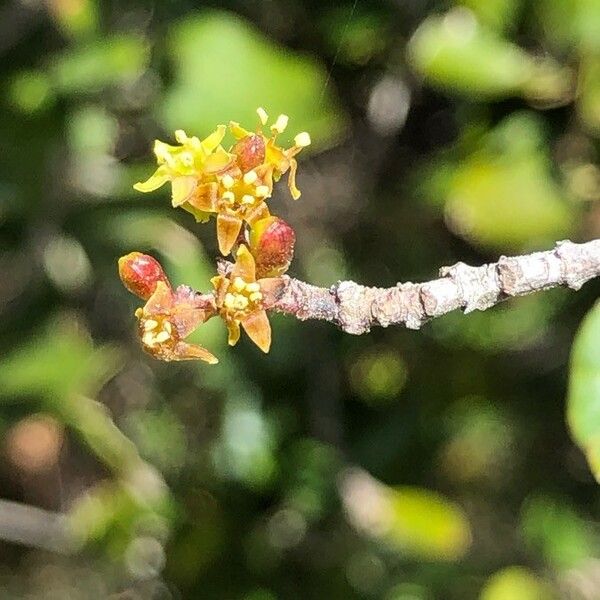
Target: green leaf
x=427, y=525
x=583, y=400
x=100, y=63
x=516, y=583
x=457, y=53
x=558, y=533
x=503, y=196
x=588, y=101
x=59, y=363
x=497, y=14
x=414, y=521
x=225, y=69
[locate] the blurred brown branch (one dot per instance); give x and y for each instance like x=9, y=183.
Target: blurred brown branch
x=356, y=308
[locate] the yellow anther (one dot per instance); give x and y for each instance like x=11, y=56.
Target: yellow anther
x=262, y=115
x=228, y=197
x=241, y=302
x=150, y=324
x=227, y=181
x=181, y=136
x=248, y=199
x=280, y=124
x=255, y=296
x=250, y=177
x=262, y=191
x=148, y=339
x=302, y=140
x=167, y=327
x=253, y=287
x=229, y=300
x=163, y=336
x=138, y=313
x=238, y=284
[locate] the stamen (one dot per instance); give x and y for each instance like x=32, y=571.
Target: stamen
x=280, y=124
x=238, y=284
x=150, y=324
x=302, y=140
x=255, y=296
x=227, y=181
x=262, y=115
x=148, y=339
x=247, y=199
x=167, y=327
x=228, y=197
x=250, y=177
x=262, y=191
x=163, y=336
x=241, y=302
x=181, y=136
x=229, y=300
x=253, y=286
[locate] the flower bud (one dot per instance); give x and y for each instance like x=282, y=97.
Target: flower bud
x=140, y=273
x=250, y=152
x=272, y=244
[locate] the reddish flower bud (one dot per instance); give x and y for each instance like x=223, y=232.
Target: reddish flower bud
x=250, y=152
x=272, y=244
x=140, y=273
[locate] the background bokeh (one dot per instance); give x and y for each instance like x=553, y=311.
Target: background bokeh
x=401, y=465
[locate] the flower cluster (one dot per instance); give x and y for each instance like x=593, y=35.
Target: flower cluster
x=234, y=185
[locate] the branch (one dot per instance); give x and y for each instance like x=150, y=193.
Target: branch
x=356, y=308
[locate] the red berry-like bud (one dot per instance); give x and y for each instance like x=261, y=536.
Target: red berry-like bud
x=250, y=152
x=140, y=273
x=272, y=245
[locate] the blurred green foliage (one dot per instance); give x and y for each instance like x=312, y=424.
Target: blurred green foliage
x=400, y=465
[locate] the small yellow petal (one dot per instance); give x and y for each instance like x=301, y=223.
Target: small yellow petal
x=181, y=190
x=210, y=143
x=156, y=180
x=237, y=130
x=228, y=229
x=258, y=328
x=233, y=328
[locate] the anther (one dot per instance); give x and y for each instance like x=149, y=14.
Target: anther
x=227, y=181
x=163, y=336
x=150, y=324
x=262, y=115
x=250, y=177
x=280, y=124
x=302, y=140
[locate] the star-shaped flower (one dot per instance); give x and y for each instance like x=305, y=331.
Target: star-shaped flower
x=241, y=299
x=168, y=316
x=188, y=165
x=276, y=161
x=241, y=191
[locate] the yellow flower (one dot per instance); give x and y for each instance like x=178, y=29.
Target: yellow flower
x=242, y=300
x=187, y=165
x=167, y=319
x=276, y=161
x=235, y=197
